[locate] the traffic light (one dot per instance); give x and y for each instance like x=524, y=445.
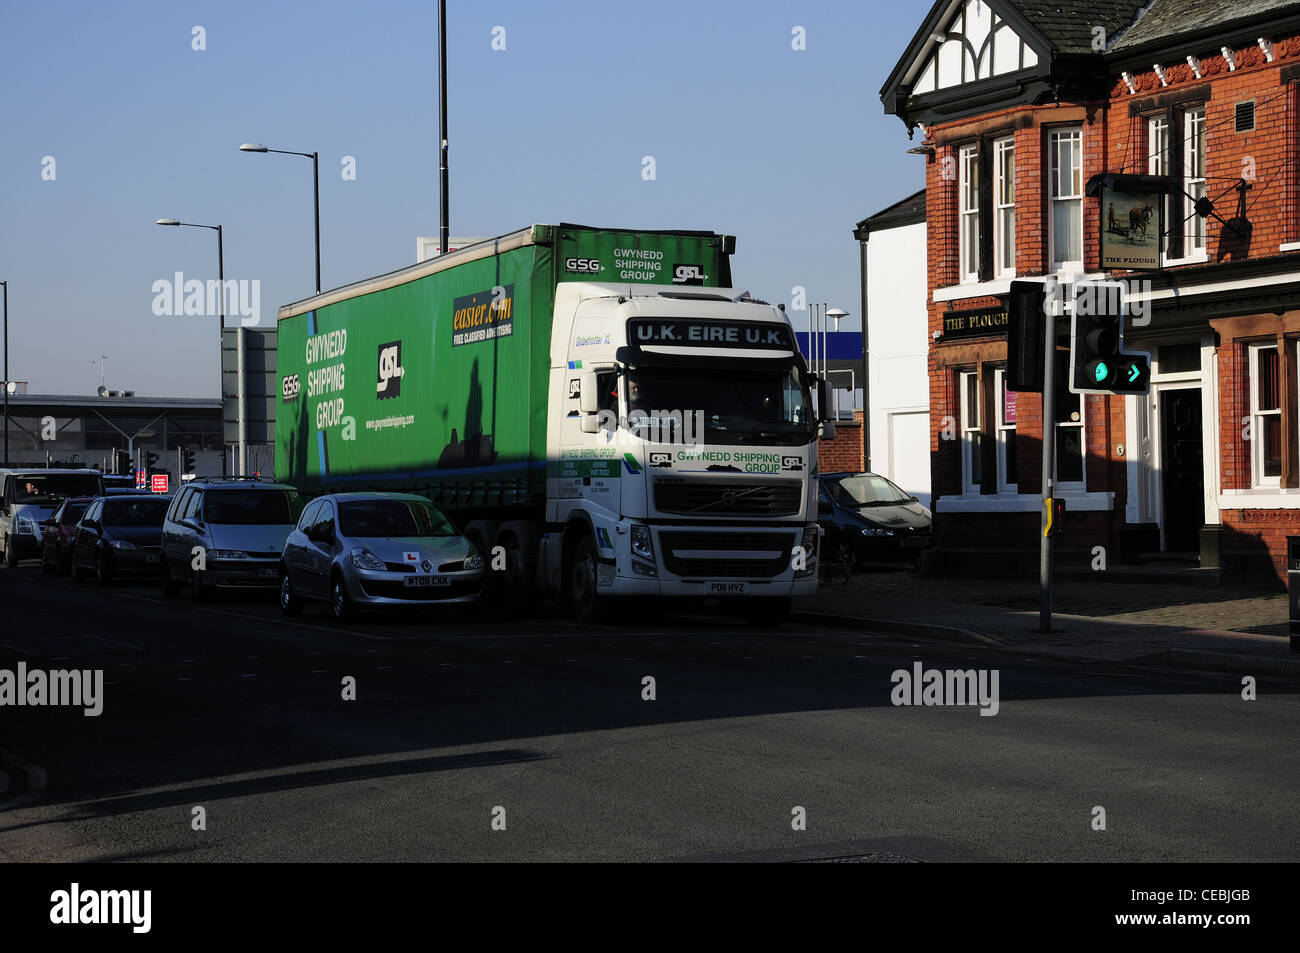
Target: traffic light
x=1027, y=322
x=187, y=459
x=1098, y=362
x=150, y=461
x=122, y=462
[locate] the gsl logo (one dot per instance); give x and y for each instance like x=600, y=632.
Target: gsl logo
x=289, y=387
x=583, y=266
x=390, y=370
x=688, y=275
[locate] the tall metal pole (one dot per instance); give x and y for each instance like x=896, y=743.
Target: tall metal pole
x=6, y=381
x=1052, y=307
x=315, y=172
x=444, y=228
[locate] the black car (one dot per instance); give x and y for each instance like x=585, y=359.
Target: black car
x=118, y=536
x=867, y=518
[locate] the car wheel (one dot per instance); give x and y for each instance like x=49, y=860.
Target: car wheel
x=11, y=553
x=583, y=596
x=169, y=585
x=340, y=602
x=46, y=565
x=62, y=563
x=290, y=603
x=103, y=570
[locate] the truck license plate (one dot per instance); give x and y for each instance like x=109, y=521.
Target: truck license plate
x=727, y=588
x=915, y=542
x=427, y=581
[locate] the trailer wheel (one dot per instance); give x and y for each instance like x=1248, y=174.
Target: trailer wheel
x=583, y=597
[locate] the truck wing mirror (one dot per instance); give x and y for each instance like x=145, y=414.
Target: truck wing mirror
x=590, y=423
x=828, y=430
x=588, y=396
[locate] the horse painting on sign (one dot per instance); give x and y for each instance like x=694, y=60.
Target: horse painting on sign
x=1130, y=230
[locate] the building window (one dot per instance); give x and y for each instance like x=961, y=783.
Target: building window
x=971, y=457
x=968, y=168
x=1068, y=472
x=1265, y=416
x=1065, y=181
x=1008, y=470
x=1193, y=180
x=1158, y=164
x=1004, y=207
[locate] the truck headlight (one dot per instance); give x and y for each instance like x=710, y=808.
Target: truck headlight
x=122, y=544
x=876, y=531
x=27, y=525
x=641, y=543
x=365, y=559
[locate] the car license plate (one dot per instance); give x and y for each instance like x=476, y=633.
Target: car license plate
x=726, y=588
x=427, y=581
x=151, y=558
x=267, y=573
x=914, y=542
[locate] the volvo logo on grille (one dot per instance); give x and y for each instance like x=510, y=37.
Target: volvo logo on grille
x=426, y=565
x=729, y=498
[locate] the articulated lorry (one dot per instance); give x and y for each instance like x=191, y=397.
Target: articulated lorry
x=598, y=410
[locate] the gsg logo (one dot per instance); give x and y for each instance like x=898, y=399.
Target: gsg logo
x=390, y=370
x=583, y=266
x=289, y=387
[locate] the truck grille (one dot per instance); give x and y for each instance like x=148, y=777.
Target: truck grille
x=721, y=555
x=728, y=497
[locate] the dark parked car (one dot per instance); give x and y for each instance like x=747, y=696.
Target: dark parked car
x=867, y=518
x=118, y=536
x=57, y=533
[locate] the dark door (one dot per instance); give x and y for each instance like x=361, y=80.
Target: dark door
x=1182, y=470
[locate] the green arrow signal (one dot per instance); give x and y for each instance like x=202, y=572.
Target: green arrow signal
x=1134, y=372
x=1101, y=371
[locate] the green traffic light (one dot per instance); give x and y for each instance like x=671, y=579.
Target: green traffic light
x=1101, y=372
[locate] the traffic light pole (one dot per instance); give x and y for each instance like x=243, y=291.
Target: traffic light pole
x=1052, y=308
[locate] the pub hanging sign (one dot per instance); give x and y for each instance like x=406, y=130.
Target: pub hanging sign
x=969, y=324
x=1131, y=219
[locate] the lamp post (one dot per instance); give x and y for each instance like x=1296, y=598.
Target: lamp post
x=5, y=284
x=221, y=322
x=315, y=171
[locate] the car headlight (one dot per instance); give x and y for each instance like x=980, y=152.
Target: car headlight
x=227, y=554
x=642, y=545
x=365, y=559
x=27, y=525
x=122, y=544
x=808, y=544
x=473, y=560
x=876, y=531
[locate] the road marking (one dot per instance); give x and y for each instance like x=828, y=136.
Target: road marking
x=102, y=638
x=123, y=595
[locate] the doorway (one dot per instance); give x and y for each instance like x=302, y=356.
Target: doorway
x=1182, y=469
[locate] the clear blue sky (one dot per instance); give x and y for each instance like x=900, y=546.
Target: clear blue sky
x=784, y=149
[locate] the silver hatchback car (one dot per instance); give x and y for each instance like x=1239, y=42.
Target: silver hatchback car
x=377, y=549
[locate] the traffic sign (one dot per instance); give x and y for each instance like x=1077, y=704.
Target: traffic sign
x=158, y=483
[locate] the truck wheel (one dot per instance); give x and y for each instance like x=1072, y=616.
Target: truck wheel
x=583, y=597
x=767, y=611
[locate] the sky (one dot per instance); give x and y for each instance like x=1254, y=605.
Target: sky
x=111, y=119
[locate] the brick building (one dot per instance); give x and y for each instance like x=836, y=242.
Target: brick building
x=1024, y=107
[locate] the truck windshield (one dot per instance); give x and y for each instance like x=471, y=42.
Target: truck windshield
x=768, y=406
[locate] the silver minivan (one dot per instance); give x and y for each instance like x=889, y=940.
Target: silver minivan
x=28, y=497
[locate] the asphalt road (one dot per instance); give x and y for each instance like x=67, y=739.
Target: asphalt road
x=231, y=708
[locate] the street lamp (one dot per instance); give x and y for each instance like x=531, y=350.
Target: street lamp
x=315, y=171
x=221, y=283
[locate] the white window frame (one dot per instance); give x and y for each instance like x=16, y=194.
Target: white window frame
x=968, y=208
x=1057, y=191
x=1194, y=227
x=1073, y=486
x=968, y=448
x=1006, y=433
x=1158, y=164
x=1004, y=201
x=1257, y=478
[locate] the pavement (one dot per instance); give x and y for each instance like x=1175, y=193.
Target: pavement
x=1163, y=620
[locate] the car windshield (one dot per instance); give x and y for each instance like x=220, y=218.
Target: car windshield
x=251, y=507
x=866, y=490
x=749, y=406
x=141, y=511
x=72, y=512
x=47, y=487
x=361, y=519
